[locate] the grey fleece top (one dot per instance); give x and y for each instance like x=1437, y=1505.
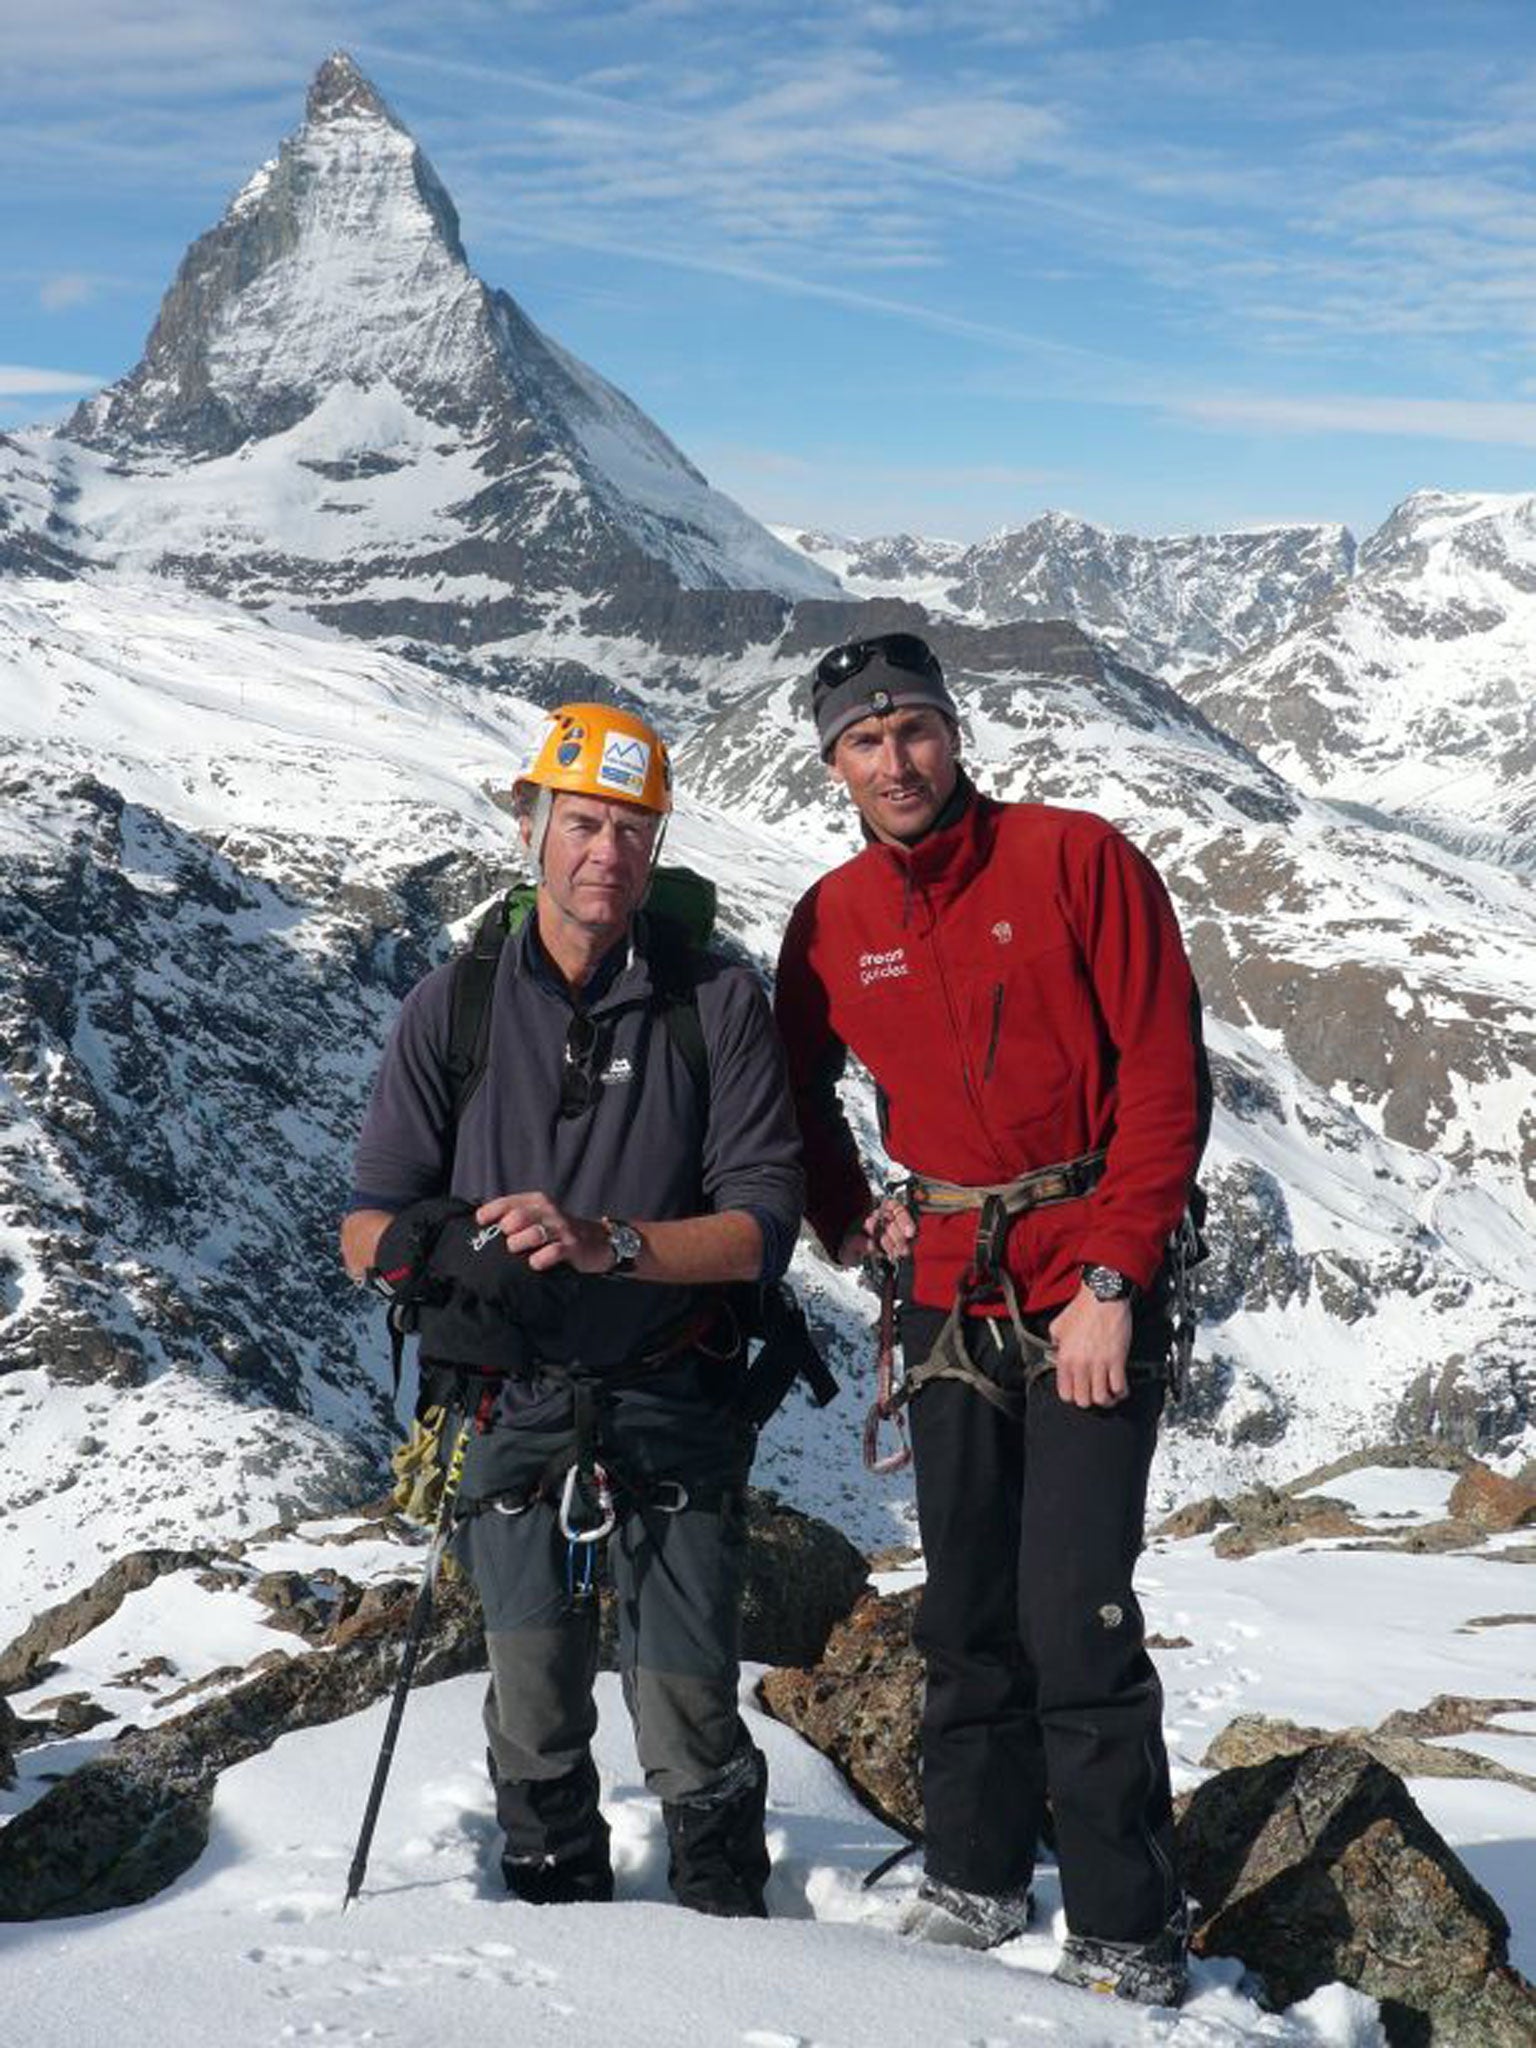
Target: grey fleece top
x=646, y=1146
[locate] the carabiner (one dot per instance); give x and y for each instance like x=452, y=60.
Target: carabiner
x=597, y=1530
x=890, y=1461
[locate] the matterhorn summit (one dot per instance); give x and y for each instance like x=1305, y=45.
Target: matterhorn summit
x=338, y=262
x=333, y=413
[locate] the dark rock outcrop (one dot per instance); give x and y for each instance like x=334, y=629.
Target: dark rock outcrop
x=1319, y=1866
x=10, y=1740
x=861, y=1705
x=24, y=1660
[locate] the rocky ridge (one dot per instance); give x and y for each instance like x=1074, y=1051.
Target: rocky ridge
x=1171, y=604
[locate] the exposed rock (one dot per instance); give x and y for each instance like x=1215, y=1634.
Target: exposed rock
x=1319, y=1866
x=1422, y=1454
x=1429, y=1538
x=22, y=1661
x=1198, y=1518
x=803, y=1576
x=1396, y=1744
x=73, y=1713
x=1492, y=1501
x=145, y=1674
x=1478, y=1621
x=1452, y=1714
x=1267, y=1519
x=862, y=1704
x=1476, y=1403
x=128, y=1822
x=1254, y=1262
x=10, y=1736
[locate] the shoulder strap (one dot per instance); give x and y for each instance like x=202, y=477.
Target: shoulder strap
x=674, y=977
x=474, y=983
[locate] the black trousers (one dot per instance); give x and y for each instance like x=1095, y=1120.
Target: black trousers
x=1039, y=1681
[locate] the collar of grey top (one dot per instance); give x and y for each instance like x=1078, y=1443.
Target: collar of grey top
x=621, y=977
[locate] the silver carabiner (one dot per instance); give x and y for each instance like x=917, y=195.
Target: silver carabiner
x=597, y=1530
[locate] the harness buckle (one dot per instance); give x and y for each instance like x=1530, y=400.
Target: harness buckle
x=592, y=1532
x=991, y=1237
x=677, y=1500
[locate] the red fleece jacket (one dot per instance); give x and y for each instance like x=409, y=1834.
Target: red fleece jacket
x=1016, y=985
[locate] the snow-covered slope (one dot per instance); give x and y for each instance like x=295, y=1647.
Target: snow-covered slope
x=333, y=413
x=251, y=1944
x=1413, y=691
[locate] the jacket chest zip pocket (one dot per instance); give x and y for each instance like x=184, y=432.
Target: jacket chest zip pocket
x=994, y=1032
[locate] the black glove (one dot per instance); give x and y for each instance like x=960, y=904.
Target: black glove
x=471, y=1301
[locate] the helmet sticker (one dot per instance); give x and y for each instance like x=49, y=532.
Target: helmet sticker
x=569, y=750
x=625, y=763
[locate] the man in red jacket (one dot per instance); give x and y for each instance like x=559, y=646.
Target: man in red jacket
x=1012, y=977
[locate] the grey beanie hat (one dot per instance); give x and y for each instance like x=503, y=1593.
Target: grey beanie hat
x=867, y=678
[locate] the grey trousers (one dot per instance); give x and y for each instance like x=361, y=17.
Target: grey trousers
x=677, y=1577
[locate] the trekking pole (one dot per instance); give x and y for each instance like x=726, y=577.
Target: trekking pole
x=421, y=1614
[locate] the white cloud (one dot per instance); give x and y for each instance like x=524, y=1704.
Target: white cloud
x=69, y=288
x=1439, y=419
x=18, y=380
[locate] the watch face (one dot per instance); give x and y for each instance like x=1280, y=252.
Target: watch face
x=626, y=1242
x=1105, y=1283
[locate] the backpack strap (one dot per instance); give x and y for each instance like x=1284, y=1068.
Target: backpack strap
x=469, y=1026
x=673, y=961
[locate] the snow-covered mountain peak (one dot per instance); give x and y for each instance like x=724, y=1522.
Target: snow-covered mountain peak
x=1479, y=530
x=339, y=261
x=338, y=89
x=334, y=412
x=1173, y=604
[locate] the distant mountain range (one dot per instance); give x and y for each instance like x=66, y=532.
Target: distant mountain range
x=234, y=832
x=1172, y=605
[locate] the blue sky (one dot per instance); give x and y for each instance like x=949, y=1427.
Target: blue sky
x=933, y=265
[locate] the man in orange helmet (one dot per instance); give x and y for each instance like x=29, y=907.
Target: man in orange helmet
x=580, y=1197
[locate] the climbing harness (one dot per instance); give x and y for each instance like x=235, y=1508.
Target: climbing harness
x=986, y=1281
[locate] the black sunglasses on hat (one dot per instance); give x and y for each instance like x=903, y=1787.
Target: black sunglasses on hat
x=868, y=678
x=897, y=650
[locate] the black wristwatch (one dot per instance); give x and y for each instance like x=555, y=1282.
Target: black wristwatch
x=625, y=1242
x=1105, y=1284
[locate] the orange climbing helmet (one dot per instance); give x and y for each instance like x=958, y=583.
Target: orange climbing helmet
x=599, y=750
